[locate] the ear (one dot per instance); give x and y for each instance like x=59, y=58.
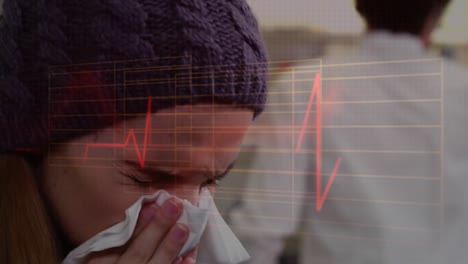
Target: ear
x=430, y=25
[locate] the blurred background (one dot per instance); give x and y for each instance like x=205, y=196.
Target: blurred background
x=305, y=29
x=310, y=29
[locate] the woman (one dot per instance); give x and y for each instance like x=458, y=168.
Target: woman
x=150, y=95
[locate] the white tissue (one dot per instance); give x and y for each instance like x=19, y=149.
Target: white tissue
x=216, y=242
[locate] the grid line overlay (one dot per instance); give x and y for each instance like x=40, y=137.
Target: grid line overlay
x=291, y=113
x=429, y=97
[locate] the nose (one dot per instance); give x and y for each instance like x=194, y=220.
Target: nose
x=189, y=192
x=192, y=176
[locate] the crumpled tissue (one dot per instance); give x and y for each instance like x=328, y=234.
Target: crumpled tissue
x=217, y=244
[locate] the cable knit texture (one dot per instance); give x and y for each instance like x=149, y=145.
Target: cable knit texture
x=70, y=67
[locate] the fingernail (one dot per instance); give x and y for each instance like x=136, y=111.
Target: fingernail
x=178, y=260
x=147, y=212
x=190, y=261
x=179, y=233
x=171, y=208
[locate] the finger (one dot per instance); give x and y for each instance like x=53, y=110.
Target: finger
x=178, y=260
x=109, y=256
x=192, y=253
x=143, y=246
x=112, y=255
x=188, y=260
x=171, y=245
x=189, y=257
x=147, y=214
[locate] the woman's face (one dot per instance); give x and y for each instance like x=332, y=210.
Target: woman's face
x=90, y=181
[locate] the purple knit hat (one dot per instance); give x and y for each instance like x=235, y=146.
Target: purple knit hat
x=70, y=67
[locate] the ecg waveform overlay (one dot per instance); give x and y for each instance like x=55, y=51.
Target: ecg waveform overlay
x=131, y=141
x=309, y=125
x=385, y=129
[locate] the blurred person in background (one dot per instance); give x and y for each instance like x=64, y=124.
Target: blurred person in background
x=404, y=201
x=253, y=210
x=396, y=115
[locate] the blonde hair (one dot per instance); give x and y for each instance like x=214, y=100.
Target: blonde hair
x=26, y=233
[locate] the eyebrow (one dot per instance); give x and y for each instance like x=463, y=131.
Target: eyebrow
x=154, y=172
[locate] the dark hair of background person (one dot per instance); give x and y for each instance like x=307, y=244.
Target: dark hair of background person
x=399, y=16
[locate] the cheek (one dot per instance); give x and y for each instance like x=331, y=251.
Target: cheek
x=227, y=146
x=87, y=201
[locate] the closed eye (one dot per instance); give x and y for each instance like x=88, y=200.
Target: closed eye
x=147, y=176
x=214, y=181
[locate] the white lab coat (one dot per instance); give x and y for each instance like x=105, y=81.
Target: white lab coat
x=401, y=196
x=397, y=118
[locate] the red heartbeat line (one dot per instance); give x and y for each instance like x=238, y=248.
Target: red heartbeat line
x=316, y=92
x=141, y=155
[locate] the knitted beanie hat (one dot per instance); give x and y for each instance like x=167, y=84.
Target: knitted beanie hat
x=70, y=67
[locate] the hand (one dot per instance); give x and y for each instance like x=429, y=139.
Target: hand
x=157, y=239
